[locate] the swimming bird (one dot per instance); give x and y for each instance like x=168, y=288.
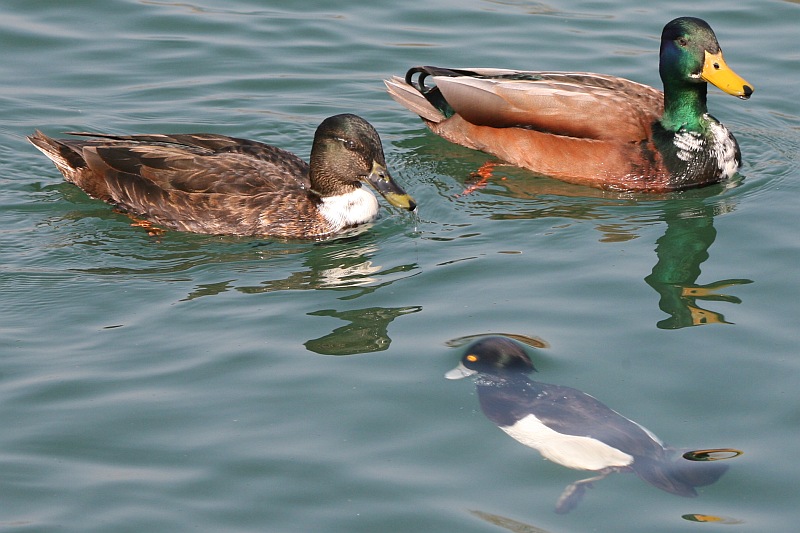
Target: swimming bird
x=214, y=184
x=570, y=427
x=591, y=129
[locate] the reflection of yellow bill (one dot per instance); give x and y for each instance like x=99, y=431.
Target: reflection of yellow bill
x=696, y=517
x=534, y=342
x=712, y=454
x=717, y=72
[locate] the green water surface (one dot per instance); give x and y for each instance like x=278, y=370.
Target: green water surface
x=197, y=383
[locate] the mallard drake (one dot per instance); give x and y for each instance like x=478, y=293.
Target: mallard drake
x=208, y=183
x=570, y=427
x=592, y=129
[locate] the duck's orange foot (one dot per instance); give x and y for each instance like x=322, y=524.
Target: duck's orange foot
x=483, y=174
x=148, y=226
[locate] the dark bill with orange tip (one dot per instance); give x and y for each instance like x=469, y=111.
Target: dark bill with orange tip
x=383, y=182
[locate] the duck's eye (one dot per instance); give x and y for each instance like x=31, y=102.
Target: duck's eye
x=683, y=41
x=472, y=358
x=348, y=143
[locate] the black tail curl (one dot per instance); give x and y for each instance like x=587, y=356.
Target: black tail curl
x=432, y=93
x=427, y=70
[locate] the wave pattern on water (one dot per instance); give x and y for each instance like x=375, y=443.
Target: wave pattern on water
x=183, y=382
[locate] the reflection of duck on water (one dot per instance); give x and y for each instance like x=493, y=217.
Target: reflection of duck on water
x=571, y=428
x=681, y=250
x=366, y=332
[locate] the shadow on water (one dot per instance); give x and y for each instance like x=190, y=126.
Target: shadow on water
x=573, y=429
x=507, y=523
x=515, y=526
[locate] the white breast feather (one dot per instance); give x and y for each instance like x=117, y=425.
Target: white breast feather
x=572, y=451
x=724, y=150
x=723, y=147
x=356, y=207
x=689, y=144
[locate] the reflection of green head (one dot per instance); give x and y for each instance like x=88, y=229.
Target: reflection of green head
x=681, y=250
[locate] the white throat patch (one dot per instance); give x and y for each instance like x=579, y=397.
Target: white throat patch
x=350, y=209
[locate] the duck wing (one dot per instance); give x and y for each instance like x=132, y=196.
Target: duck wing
x=193, y=163
x=192, y=182
x=573, y=104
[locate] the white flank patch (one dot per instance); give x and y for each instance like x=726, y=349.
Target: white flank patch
x=580, y=453
x=350, y=209
x=724, y=149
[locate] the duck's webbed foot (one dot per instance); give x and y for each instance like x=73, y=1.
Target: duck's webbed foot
x=574, y=492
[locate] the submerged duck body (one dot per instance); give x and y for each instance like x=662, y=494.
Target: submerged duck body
x=591, y=129
x=214, y=184
x=570, y=427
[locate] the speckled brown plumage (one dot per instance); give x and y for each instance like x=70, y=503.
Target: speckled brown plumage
x=214, y=184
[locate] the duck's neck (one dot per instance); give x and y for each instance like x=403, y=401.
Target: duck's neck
x=322, y=182
x=685, y=107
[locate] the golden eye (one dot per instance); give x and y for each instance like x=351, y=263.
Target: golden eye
x=471, y=358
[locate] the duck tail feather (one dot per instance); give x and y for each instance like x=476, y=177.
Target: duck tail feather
x=413, y=100
x=680, y=476
x=67, y=159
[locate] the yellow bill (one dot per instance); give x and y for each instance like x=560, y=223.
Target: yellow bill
x=718, y=73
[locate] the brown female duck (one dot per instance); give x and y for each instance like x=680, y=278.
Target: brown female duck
x=592, y=129
x=214, y=184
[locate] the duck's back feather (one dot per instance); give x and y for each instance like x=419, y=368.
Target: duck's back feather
x=193, y=182
x=195, y=162
x=574, y=104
